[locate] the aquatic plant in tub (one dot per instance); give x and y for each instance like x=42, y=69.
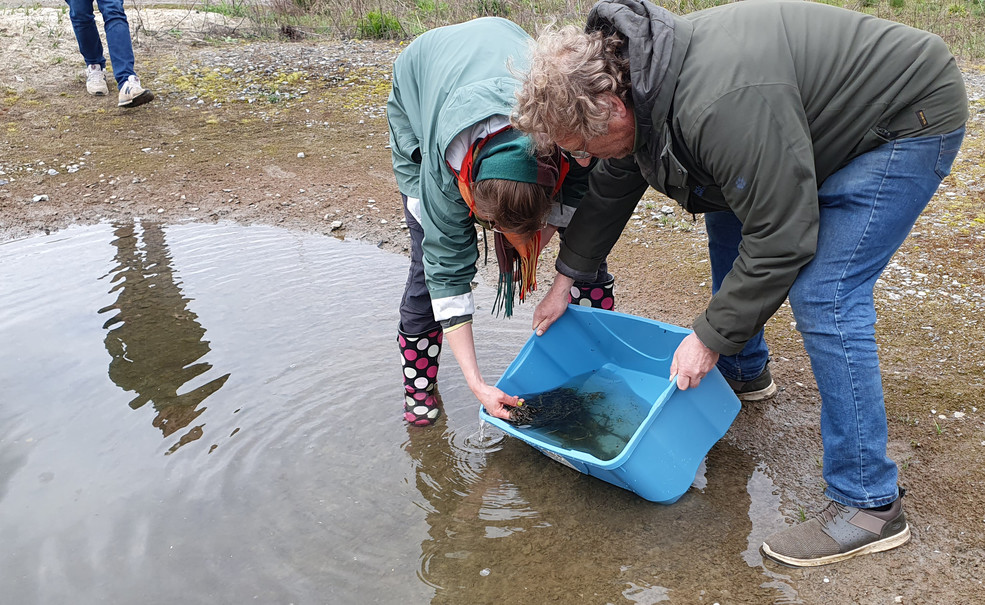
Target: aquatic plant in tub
x=603, y=404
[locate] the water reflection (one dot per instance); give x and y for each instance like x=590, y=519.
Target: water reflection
x=154, y=339
x=764, y=513
x=510, y=525
x=319, y=493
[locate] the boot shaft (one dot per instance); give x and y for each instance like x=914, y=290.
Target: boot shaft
x=419, y=355
x=598, y=295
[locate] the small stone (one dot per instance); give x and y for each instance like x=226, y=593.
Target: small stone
x=301, y=154
x=336, y=225
x=40, y=198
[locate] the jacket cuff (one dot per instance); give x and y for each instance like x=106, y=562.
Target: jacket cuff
x=453, y=306
x=710, y=338
x=581, y=273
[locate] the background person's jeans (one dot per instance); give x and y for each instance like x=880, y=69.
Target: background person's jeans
x=117, y=35
x=867, y=209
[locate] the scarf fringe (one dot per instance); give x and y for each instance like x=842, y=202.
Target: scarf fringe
x=517, y=271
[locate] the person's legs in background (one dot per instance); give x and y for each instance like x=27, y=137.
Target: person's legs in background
x=131, y=93
x=746, y=372
x=117, y=38
x=866, y=212
x=90, y=46
x=117, y=28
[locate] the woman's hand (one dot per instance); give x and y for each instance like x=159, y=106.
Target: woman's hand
x=496, y=402
x=692, y=362
x=554, y=305
x=462, y=343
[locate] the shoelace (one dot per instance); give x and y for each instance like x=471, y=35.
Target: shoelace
x=832, y=510
x=94, y=74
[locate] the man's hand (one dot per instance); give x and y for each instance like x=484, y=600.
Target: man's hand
x=554, y=305
x=692, y=362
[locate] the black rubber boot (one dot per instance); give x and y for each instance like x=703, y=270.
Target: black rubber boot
x=419, y=354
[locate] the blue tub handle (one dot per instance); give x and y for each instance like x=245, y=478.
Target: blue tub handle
x=622, y=340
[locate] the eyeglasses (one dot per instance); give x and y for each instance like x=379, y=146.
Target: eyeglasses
x=578, y=155
x=491, y=225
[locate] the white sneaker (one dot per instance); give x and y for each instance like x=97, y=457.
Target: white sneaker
x=96, y=80
x=133, y=94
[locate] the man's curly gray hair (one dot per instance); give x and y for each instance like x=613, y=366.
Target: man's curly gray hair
x=563, y=94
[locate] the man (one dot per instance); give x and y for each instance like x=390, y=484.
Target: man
x=131, y=93
x=813, y=137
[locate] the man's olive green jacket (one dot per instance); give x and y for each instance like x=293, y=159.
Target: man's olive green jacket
x=749, y=107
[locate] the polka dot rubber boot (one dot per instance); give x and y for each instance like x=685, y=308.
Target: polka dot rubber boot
x=419, y=357
x=598, y=295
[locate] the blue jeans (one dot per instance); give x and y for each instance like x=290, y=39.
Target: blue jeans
x=867, y=209
x=117, y=35
x=724, y=234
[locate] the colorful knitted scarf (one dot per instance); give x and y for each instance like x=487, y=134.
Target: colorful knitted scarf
x=516, y=254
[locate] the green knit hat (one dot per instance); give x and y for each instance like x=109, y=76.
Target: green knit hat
x=509, y=156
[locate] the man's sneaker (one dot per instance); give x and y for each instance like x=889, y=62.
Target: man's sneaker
x=757, y=389
x=132, y=94
x=96, y=80
x=837, y=533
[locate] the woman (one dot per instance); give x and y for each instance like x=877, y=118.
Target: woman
x=458, y=162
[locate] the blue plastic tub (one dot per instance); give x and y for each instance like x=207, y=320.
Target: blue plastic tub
x=627, y=358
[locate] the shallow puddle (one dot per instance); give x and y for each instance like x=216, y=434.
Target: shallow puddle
x=211, y=413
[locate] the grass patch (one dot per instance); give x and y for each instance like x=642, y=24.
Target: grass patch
x=228, y=8
x=961, y=23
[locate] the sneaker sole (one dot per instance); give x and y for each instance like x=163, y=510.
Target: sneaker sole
x=144, y=97
x=759, y=395
x=99, y=93
x=873, y=547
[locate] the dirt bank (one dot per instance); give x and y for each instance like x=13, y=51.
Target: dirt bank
x=294, y=135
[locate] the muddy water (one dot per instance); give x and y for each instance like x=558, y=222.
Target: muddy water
x=210, y=414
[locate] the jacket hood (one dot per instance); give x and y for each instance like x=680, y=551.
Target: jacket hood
x=656, y=41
